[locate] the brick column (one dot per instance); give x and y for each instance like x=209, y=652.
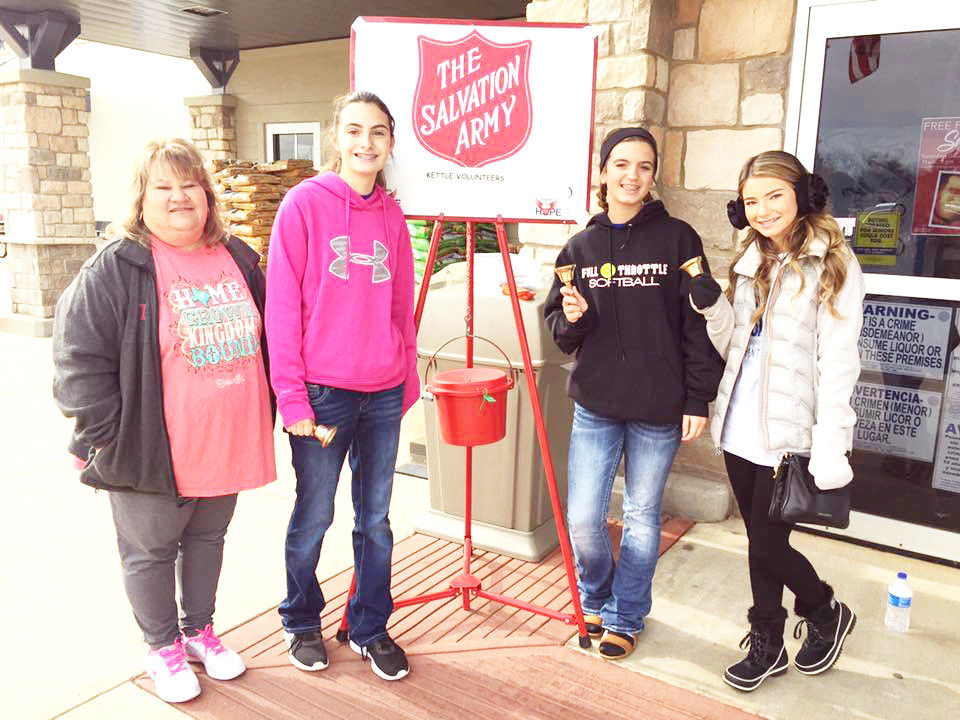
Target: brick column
x=213, y=125
x=46, y=192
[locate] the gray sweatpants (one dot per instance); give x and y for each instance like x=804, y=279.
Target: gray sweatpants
x=162, y=544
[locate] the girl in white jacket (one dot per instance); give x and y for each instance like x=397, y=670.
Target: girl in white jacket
x=788, y=328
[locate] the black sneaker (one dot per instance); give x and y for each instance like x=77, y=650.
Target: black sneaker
x=306, y=650
x=765, y=659
x=387, y=660
x=824, y=640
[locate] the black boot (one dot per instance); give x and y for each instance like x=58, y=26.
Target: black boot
x=828, y=625
x=767, y=655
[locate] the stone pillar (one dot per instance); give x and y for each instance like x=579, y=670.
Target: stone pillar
x=728, y=89
x=632, y=78
x=698, y=76
x=46, y=193
x=213, y=125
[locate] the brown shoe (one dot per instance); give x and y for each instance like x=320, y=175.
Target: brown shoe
x=594, y=625
x=616, y=646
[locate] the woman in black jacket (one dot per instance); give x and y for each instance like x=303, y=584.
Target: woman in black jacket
x=160, y=357
x=644, y=374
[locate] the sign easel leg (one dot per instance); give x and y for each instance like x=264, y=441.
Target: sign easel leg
x=466, y=584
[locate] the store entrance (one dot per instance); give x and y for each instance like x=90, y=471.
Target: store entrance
x=888, y=145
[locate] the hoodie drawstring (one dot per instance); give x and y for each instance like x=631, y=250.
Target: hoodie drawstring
x=616, y=307
x=346, y=225
x=383, y=217
x=346, y=232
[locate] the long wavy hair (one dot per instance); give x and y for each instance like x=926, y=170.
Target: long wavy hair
x=357, y=96
x=816, y=223
x=183, y=158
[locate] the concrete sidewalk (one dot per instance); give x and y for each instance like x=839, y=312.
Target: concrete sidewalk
x=701, y=594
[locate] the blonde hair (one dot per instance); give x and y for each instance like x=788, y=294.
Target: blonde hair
x=185, y=161
x=815, y=223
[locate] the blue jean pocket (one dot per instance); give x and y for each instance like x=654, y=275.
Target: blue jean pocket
x=317, y=393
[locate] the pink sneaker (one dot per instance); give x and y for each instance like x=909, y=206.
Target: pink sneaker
x=172, y=677
x=221, y=663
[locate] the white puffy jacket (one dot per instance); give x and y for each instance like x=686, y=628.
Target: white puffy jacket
x=811, y=361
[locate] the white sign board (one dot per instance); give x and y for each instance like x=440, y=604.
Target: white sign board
x=896, y=420
x=904, y=338
x=492, y=119
x=946, y=470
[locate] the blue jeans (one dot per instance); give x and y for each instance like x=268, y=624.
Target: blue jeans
x=368, y=425
x=619, y=592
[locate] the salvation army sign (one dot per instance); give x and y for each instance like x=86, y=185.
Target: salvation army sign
x=492, y=119
x=477, y=122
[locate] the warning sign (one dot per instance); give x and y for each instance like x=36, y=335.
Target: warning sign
x=896, y=420
x=946, y=470
x=905, y=338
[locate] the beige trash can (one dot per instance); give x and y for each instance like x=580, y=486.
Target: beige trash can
x=511, y=502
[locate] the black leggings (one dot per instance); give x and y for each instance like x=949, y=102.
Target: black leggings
x=773, y=562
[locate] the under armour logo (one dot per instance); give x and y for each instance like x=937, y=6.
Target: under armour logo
x=340, y=268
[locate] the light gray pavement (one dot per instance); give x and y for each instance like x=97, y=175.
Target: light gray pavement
x=699, y=616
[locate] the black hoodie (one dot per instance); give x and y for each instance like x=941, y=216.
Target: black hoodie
x=642, y=352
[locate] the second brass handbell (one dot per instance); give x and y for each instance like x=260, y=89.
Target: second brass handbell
x=324, y=434
x=693, y=266
x=565, y=273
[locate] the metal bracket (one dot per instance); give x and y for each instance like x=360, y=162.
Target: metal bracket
x=216, y=65
x=37, y=38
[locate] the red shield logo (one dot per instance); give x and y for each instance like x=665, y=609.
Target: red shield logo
x=472, y=104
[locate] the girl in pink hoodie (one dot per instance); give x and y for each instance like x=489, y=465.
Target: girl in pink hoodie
x=342, y=350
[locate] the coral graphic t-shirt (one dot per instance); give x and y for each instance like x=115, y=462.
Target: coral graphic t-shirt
x=215, y=398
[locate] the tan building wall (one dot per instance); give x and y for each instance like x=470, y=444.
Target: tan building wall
x=708, y=77
x=632, y=80
x=727, y=99
x=297, y=83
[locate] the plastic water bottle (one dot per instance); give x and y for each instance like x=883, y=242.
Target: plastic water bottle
x=899, y=599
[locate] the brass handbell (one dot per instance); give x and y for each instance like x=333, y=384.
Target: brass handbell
x=324, y=434
x=693, y=266
x=565, y=273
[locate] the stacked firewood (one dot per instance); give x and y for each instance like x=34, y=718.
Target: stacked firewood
x=249, y=194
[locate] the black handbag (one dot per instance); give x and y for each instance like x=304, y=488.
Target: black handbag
x=797, y=499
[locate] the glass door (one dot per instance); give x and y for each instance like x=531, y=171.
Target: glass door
x=875, y=110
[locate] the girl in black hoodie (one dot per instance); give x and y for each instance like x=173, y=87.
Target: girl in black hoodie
x=643, y=376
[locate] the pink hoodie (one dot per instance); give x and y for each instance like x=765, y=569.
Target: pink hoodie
x=339, y=295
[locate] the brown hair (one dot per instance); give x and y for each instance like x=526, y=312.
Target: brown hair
x=357, y=96
x=183, y=158
x=816, y=223
x=644, y=137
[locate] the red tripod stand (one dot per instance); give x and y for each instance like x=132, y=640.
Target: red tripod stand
x=466, y=585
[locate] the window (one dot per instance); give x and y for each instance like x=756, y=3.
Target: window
x=293, y=141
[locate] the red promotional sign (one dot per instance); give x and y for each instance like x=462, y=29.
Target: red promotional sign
x=936, y=206
x=472, y=105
